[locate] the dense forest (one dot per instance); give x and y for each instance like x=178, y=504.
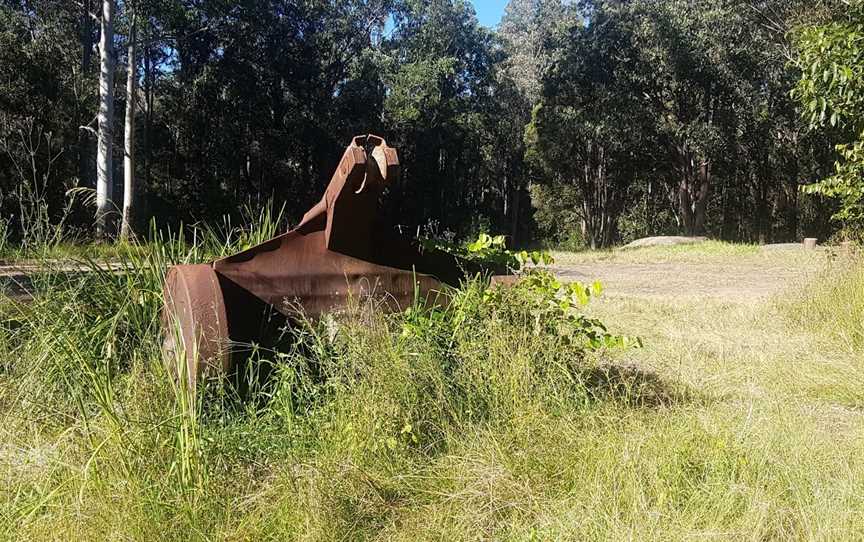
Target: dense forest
x=573, y=122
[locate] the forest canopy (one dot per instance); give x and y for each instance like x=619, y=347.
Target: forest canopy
x=584, y=123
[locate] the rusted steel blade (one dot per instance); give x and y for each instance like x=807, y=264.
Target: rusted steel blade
x=195, y=322
x=341, y=249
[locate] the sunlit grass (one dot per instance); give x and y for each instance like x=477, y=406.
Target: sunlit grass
x=833, y=303
x=735, y=421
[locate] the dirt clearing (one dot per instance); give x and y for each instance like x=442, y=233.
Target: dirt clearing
x=712, y=270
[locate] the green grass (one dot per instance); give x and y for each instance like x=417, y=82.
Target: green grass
x=735, y=421
x=834, y=303
x=68, y=251
x=45, y=242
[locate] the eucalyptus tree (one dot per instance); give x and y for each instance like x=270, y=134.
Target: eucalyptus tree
x=105, y=119
x=690, y=74
x=438, y=70
x=129, y=121
x=255, y=100
x=526, y=30
x=592, y=131
x=705, y=86
x=774, y=151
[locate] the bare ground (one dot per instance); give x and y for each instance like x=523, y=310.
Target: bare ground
x=666, y=279
x=738, y=278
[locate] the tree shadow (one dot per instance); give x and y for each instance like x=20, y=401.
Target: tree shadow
x=633, y=386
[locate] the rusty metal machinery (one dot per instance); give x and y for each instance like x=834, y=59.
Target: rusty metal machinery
x=339, y=250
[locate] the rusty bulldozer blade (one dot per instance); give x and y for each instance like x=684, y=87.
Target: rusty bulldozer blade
x=340, y=249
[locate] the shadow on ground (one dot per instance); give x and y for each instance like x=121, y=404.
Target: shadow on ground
x=633, y=386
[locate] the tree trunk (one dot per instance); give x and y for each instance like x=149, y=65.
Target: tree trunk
x=148, y=104
x=693, y=191
x=685, y=206
x=599, y=204
x=84, y=142
x=104, y=161
x=701, y=203
x=129, y=133
x=86, y=36
x=514, y=215
x=792, y=228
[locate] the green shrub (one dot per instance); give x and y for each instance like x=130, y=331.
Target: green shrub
x=556, y=212
x=493, y=251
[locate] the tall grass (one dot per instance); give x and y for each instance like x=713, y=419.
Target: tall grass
x=478, y=421
x=833, y=303
x=351, y=401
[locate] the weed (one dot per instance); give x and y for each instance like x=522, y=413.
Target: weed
x=492, y=250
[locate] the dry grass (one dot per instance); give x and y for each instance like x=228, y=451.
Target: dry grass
x=740, y=419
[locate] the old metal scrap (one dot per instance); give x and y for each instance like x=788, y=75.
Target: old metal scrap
x=339, y=250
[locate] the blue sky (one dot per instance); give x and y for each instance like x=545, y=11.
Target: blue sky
x=489, y=12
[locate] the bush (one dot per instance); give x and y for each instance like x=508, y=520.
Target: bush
x=492, y=252
x=556, y=212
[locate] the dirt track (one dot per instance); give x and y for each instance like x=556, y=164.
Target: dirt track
x=746, y=281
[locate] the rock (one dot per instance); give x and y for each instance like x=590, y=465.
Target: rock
x=664, y=240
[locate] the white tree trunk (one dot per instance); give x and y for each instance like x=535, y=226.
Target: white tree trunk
x=104, y=162
x=129, y=135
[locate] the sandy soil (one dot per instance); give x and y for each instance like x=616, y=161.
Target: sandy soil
x=745, y=281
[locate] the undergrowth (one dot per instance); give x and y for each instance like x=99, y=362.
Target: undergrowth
x=509, y=414
x=492, y=250
x=353, y=407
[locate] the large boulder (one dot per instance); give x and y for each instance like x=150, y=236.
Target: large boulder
x=664, y=240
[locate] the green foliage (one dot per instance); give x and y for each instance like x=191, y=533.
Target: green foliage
x=680, y=106
x=548, y=307
x=244, y=102
x=846, y=185
x=581, y=133
x=556, y=309
x=831, y=60
x=556, y=212
x=646, y=217
x=492, y=250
